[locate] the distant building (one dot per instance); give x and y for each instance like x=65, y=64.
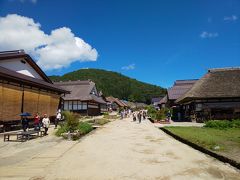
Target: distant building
x=84, y=97
x=179, y=88
x=162, y=102
x=156, y=102
x=215, y=96
x=24, y=87
x=114, y=103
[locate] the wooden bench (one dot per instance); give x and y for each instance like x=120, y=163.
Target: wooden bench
x=23, y=136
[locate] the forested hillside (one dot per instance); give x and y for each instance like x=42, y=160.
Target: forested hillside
x=115, y=84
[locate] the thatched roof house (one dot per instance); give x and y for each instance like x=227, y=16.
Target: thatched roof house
x=115, y=103
x=24, y=87
x=163, y=101
x=217, y=94
x=217, y=83
x=84, y=97
x=179, y=88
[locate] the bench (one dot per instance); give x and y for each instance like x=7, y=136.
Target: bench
x=23, y=136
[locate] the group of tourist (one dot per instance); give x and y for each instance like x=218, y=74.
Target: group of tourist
x=138, y=115
x=125, y=113
x=38, y=122
x=142, y=114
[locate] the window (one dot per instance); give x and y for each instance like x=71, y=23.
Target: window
x=84, y=105
x=75, y=105
x=69, y=105
x=65, y=105
x=79, y=106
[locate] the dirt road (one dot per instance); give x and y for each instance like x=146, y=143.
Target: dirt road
x=124, y=150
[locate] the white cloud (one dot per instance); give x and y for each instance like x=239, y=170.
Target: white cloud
x=206, y=34
x=230, y=18
x=53, y=51
x=129, y=67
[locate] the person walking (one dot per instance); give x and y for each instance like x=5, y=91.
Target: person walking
x=58, y=118
x=36, y=122
x=169, y=116
x=134, y=116
x=46, y=123
x=139, y=117
x=122, y=114
x=144, y=114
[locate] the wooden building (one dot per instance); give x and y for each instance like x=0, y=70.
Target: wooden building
x=179, y=88
x=84, y=98
x=215, y=96
x=162, y=102
x=115, y=104
x=24, y=87
x=156, y=102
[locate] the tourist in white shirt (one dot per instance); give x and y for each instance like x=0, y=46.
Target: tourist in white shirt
x=58, y=118
x=46, y=123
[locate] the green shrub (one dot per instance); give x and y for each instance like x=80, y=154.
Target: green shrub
x=152, y=112
x=161, y=115
x=76, y=128
x=218, y=124
x=236, y=123
x=84, y=128
x=72, y=120
x=62, y=129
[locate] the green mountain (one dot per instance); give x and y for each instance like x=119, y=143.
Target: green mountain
x=115, y=84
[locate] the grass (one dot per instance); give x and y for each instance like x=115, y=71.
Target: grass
x=107, y=116
x=101, y=121
x=222, y=141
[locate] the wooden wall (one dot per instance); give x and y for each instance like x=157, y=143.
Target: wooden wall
x=12, y=101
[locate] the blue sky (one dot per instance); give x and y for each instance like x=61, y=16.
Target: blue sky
x=153, y=41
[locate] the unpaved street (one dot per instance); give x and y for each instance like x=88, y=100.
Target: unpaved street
x=121, y=150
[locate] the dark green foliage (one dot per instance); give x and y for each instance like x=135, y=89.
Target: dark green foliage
x=72, y=120
x=151, y=111
x=62, y=129
x=84, y=128
x=222, y=124
x=161, y=114
x=73, y=125
x=116, y=84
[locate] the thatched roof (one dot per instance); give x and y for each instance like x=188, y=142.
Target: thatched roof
x=80, y=90
x=179, y=88
x=217, y=83
x=163, y=100
x=116, y=100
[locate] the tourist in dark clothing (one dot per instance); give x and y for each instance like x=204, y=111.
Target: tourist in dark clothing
x=134, y=117
x=25, y=124
x=139, y=117
x=144, y=115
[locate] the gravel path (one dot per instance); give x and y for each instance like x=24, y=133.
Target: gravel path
x=128, y=150
x=121, y=150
